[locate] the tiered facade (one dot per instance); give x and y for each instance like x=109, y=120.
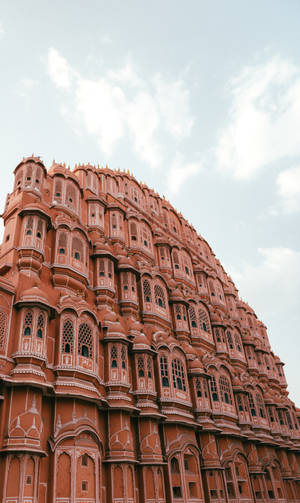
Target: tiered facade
x=131, y=372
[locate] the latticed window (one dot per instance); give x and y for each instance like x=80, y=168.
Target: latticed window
x=198, y=388
x=29, y=226
x=214, y=389
x=28, y=176
x=204, y=320
x=289, y=420
x=101, y=267
x=229, y=339
x=141, y=366
x=62, y=243
x=147, y=290
x=109, y=268
x=225, y=390
x=85, y=341
x=114, y=357
x=149, y=367
x=239, y=403
x=71, y=196
x=159, y=296
x=260, y=405
x=123, y=357
x=192, y=316
x=238, y=342
x=28, y=323
x=252, y=404
x=67, y=337
x=176, y=260
x=40, y=325
x=39, y=230
x=164, y=372
x=218, y=337
x=178, y=374
x=178, y=312
x=77, y=249
x=3, y=329
x=133, y=231
x=58, y=190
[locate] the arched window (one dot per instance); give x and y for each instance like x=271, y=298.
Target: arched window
x=28, y=323
x=198, y=388
x=123, y=357
x=204, y=321
x=238, y=342
x=58, y=190
x=225, y=390
x=67, y=337
x=85, y=341
x=29, y=226
x=192, y=316
x=178, y=374
x=260, y=405
x=229, y=339
x=62, y=243
x=40, y=325
x=114, y=357
x=149, y=367
x=39, y=230
x=147, y=290
x=252, y=404
x=77, y=249
x=141, y=366
x=133, y=231
x=159, y=296
x=214, y=389
x=163, y=362
x=176, y=260
x=28, y=178
x=71, y=196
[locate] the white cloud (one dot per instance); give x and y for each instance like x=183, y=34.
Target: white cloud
x=59, y=69
x=274, y=284
x=264, y=119
x=180, y=172
x=121, y=103
x=2, y=31
x=288, y=186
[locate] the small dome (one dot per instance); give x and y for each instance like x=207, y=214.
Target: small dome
x=34, y=294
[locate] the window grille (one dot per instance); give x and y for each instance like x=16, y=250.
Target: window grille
x=101, y=267
x=39, y=230
x=178, y=374
x=62, y=243
x=67, y=337
x=204, y=321
x=85, y=341
x=133, y=231
x=252, y=404
x=58, y=190
x=109, y=268
x=141, y=366
x=28, y=323
x=178, y=312
x=198, y=388
x=238, y=342
x=149, y=367
x=239, y=403
x=147, y=290
x=159, y=296
x=77, y=249
x=229, y=339
x=40, y=325
x=28, y=177
x=225, y=390
x=3, y=329
x=164, y=372
x=260, y=405
x=214, y=389
x=114, y=357
x=192, y=316
x=176, y=260
x=29, y=226
x=123, y=357
x=71, y=196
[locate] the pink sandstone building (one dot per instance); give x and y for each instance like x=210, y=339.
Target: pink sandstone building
x=131, y=372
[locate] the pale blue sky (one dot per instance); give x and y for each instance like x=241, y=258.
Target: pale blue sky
x=199, y=99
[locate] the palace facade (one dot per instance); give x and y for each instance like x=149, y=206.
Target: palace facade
x=130, y=369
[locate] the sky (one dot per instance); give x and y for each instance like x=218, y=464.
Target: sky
x=199, y=99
